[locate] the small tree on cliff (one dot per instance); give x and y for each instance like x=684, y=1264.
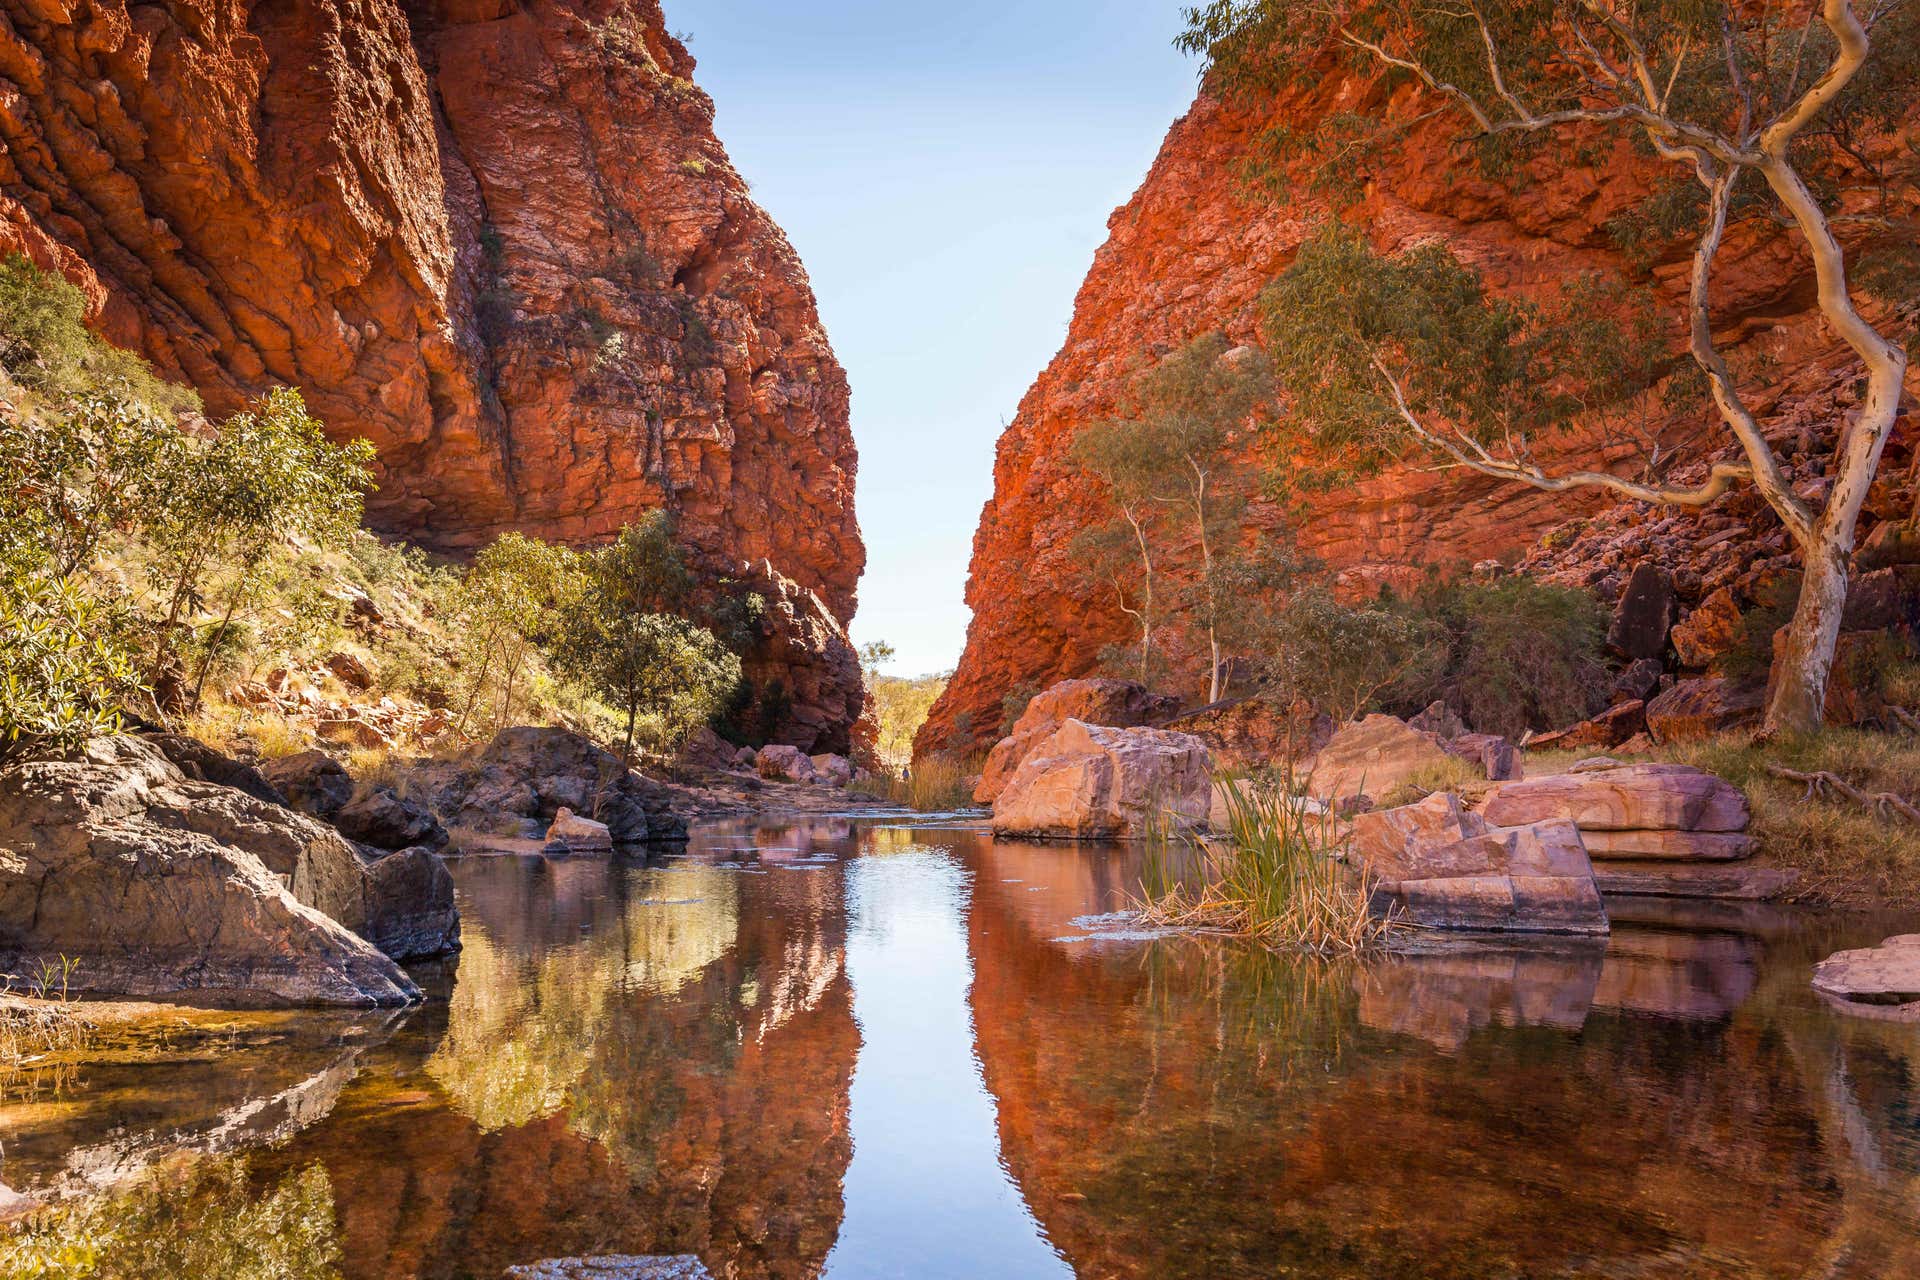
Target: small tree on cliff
x=1792, y=94
x=1118, y=555
x=1168, y=463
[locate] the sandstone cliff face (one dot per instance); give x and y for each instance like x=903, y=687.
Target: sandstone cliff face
x=1190, y=253
x=498, y=238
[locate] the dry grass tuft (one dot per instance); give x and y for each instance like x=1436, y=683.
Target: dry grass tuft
x=1276, y=878
x=937, y=784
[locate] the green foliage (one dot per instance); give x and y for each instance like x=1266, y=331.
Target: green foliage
x=900, y=707
x=1013, y=704
x=268, y=474
x=97, y=465
x=45, y=345
x=1342, y=658
x=1375, y=350
x=1168, y=463
x=618, y=635
x=1515, y=654
x=504, y=611
x=65, y=665
x=206, y=1220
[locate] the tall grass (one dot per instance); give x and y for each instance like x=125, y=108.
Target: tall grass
x=1276, y=877
x=937, y=784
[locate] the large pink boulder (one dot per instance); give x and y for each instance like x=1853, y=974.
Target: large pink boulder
x=1373, y=757
x=1092, y=782
x=1637, y=797
x=1442, y=866
x=1119, y=704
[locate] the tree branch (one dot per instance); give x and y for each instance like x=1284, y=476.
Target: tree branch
x=1467, y=452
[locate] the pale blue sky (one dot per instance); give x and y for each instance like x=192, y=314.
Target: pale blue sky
x=946, y=172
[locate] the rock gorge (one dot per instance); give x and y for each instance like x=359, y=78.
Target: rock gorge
x=1191, y=252
x=497, y=238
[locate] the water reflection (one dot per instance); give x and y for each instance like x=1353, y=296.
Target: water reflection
x=870, y=1050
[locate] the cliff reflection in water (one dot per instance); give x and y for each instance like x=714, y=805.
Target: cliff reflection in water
x=872, y=1050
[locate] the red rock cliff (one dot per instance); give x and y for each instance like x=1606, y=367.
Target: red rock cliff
x=498, y=238
x=1190, y=253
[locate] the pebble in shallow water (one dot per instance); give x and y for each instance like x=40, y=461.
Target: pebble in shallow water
x=682, y=1267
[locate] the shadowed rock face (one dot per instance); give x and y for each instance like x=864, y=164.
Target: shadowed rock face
x=497, y=239
x=1190, y=253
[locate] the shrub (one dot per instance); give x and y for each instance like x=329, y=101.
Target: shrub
x=1342, y=659
x=65, y=666
x=1516, y=654
x=45, y=345
x=617, y=636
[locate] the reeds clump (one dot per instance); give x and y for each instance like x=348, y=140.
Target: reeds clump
x=936, y=784
x=1275, y=876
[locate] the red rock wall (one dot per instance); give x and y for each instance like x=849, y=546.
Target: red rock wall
x=498, y=238
x=1190, y=253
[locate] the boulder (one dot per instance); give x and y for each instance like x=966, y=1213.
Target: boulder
x=386, y=820
x=1253, y=733
x=1635, y=797
x=1891, y=543
x=1886, y=975
x=1609, y=729
x=1638, y=680
x=705, y=749
x=781, y=763
x=527, y=775
x=202, y=763
x=350, y=671
x=1120, y=704
x=1490, y=753
x=1710, y=632
x=313, y=782
x=161, y=885
x=571, y=833
x=1644, y=616
x=1373, y=757
x=1440, y=720
x=1885, y=600
x=832, y=770
x=1440, y=865
x=1701, y=708
x=1093, y=782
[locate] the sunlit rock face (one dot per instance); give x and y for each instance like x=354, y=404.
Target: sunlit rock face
x=498, y=239
x=1191, y=252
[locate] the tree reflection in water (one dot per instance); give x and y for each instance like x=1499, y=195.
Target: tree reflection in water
x=661, y=1058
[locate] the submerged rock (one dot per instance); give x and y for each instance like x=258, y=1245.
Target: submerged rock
x=1885, y=976
x=1092, y=782
x=570, y=833
x=684, y=1266
x=159, y=885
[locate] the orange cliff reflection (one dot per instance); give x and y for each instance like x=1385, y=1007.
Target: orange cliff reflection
x=1187, y=1109
x=634, y=1060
